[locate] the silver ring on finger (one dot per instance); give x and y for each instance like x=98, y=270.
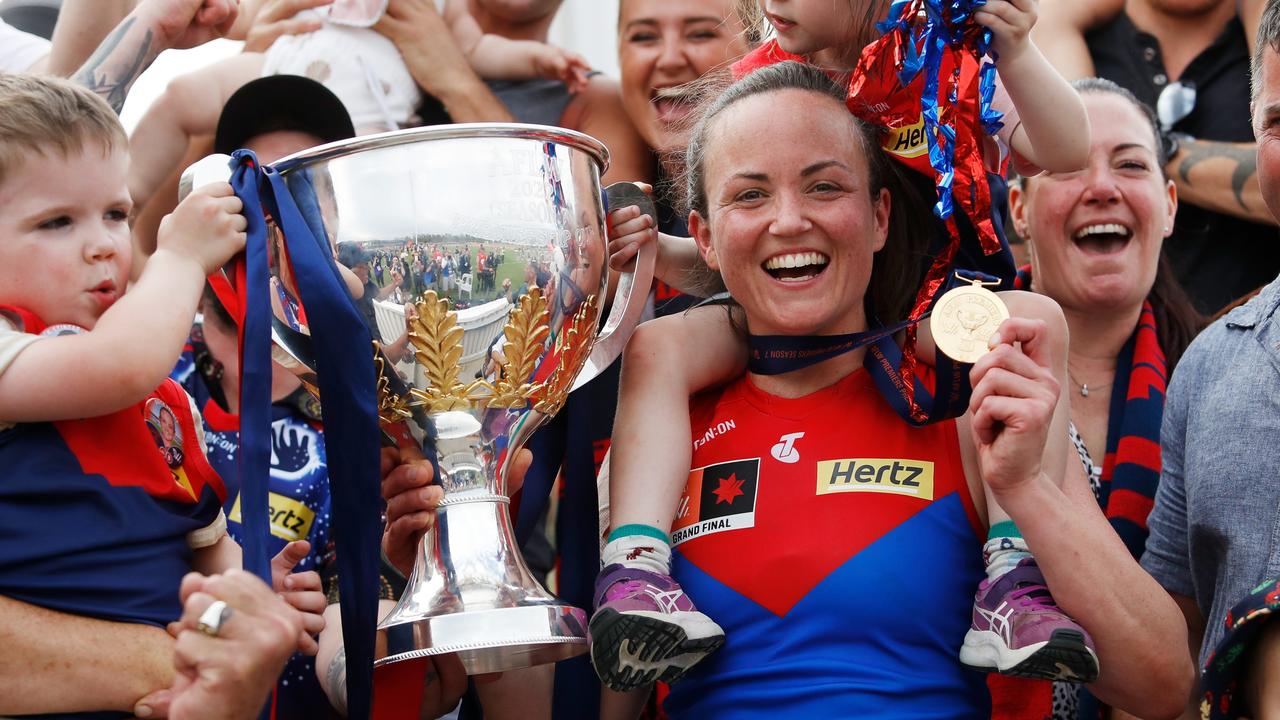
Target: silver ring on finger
x=213, y=617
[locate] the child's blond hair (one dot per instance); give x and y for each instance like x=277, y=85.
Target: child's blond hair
x=40, y=114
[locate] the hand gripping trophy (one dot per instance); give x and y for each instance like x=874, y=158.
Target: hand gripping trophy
x=466, y=211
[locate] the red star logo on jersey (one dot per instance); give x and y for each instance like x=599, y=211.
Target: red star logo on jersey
x=729, y=489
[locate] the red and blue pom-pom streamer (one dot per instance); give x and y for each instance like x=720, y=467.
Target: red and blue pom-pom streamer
x=926, y=30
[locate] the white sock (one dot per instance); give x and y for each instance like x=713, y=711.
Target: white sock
x=1002, y=554
x=638, y=551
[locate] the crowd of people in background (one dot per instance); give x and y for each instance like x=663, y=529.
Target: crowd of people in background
x=1098, y=533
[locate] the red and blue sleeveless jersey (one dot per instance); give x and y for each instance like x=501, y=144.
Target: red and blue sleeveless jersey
x=95, y=513
x=838, y=548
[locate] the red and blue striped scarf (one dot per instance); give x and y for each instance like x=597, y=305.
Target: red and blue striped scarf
x=1130, y=472
x=1131, y=468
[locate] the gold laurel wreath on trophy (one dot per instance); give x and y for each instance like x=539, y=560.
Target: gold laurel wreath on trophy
x=526, y=331
x=437, y=342
x=571, y=356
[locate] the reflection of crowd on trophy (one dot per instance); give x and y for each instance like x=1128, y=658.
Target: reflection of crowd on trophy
x=786, y=499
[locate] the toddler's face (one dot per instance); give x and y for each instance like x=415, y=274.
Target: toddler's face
x=808, y=26
x=65, y=244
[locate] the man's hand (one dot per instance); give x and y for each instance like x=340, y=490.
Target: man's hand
x=182, y=24
x=437, y=63
x=230, y=675
x=412, y=500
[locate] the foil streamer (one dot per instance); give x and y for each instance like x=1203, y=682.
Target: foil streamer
x=922, y=34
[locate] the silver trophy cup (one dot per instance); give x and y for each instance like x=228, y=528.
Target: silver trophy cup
x=497, y=233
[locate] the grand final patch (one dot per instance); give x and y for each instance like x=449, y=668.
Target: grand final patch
x=717, y=498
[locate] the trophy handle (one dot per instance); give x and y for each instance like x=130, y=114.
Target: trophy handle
x=633, y=289
x=205, y=171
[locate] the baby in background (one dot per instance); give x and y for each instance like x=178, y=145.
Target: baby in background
x=346, y=54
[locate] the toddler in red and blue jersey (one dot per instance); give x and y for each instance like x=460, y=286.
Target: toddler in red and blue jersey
x=107, y=498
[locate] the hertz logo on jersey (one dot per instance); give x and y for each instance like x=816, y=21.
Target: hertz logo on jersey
x=290, y=519
x=877, y=475
x=907, y=142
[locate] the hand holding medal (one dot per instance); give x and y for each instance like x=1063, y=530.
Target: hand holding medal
x=1014, y=401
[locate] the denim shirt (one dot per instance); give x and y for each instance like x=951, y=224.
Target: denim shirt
x=1215, y=528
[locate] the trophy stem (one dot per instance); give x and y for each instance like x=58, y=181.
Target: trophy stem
x=470, y=592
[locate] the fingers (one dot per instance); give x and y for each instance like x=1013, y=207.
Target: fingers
x=988, y=420
x=629, y=229
x=311, y=604
x=1008, y=358
x=630, y=225
x=400, y=539
x=285, y=9
x=216, y=189
x=453, y=679
x=405, y=477
x=220, y=14
x=388, y=459
x=154, y=705
x=1032, y=335
x=1006, y=18
x=519, y=466
x=576, y=72
x=241, y=590
x=194, y=649
x=192, y=583
x=1000, y=382
x=1011, y=389
x=413, y=502
x=303, y=582
x=285, y=560
x=192, y=609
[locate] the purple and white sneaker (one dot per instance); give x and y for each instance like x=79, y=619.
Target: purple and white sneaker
x=646, y=629
x=1019, y=630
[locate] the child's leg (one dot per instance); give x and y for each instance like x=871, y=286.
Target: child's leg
x=523, y=694
x=190, y=106
x=659, y=374
x=1017, y=628
x=645, y=628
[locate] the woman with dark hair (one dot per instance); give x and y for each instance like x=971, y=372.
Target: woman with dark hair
x=836, y=543
x=1095, y=238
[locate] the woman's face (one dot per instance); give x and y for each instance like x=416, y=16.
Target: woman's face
x=1096, y=234
x=666, y=43
x=792, y=223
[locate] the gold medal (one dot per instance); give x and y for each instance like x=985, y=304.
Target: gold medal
x=964, y=319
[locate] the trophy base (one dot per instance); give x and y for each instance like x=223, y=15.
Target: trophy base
x=488, y=641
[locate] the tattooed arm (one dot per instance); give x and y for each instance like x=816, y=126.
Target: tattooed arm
x=1220, y=176
x=82, y=25
x=152, y=27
